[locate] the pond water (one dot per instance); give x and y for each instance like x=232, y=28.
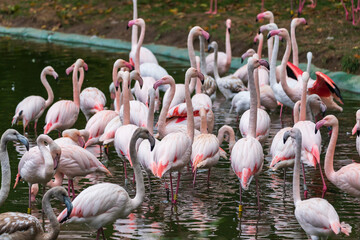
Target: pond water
x=203, y=212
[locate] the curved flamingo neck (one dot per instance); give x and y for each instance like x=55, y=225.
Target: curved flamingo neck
x=126, y=96
x=76, y=91
x=45, y=153
x=49, y=91
x=226, y=129
x=272, y=77
x=140, y=188
x=329, y=157
x=150, y=119
x=288, y=90
x=261, y=42
x=253, y=102
x=5, y=171
x=294, y=44
x=191, y=52
x=138, y=46
x=256, y=81
x=270, y=41
x=81, y=78
x=296, y=172
x=228, y=48
x=134, y=31
x=189, y=109
x=165, y=109
x=118, y=91
x=54, y=228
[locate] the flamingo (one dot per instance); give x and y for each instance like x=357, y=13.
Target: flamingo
x=39, y=163
x=211, y=7
x=228, y=85
x=73, y=137
x=8, y=135
x=179, y=96
x=63, y=114
x=205, y=148
x=92, y=100
x=295, y=52
x=209, y=86
x=247, y=157
x=16, y=225
x=316, y=216
x=141, y=93
x=347, y=177
x=32, y=107
x=241, y=72
x=174, y=150
x=224, y=59
x=263, y=121
x=89, y=205
x=356, y=130
x=146, y=56
x=270, y=16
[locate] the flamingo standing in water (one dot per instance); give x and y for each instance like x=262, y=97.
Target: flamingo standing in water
x=347, y=177
x=173, y=153
x=16, y=225
x=224, y=59
x=103, y=203
x=8, y=135
x=92, y=100
x=63, y=114
x=39, y=163
x=356, y=130
x=247, y=157
x=32, y=107
x=316, y=216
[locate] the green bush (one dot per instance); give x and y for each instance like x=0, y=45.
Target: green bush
x=350, y=63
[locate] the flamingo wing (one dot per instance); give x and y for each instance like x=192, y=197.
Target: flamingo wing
x=324, y=86
x=16, y=224
x=204, y=148
x=293, y=71
x=31, y=108
x=61, y=115
x=348, y=179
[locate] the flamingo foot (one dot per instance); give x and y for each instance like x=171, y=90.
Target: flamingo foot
x=209, y=12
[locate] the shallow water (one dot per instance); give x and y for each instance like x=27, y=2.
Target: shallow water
x=203, y=212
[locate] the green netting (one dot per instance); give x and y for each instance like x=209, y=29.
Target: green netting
x=344, y=81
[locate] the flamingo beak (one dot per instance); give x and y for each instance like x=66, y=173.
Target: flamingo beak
x=286, y=136
x=319, y=124
x=23, y=140
x=69, y=208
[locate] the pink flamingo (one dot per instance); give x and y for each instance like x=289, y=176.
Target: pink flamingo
x=89, y=205
x=63, y=114
x=174, y=150
x=206, y=149
x=211, y=8
x=32, y=107
x=247, y=157
x=76, y=161
x=316, y=216
x=224, y=59
x=179, y=96
x=16, y=225
x=270, y=16
x=39, y=163
x=8, y=135
x=146, y=56
x=356, y=130
x=353, y=11
x=73, y=137
x=347, y=177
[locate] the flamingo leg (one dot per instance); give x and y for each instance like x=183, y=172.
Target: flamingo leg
x=210, y=10
x=29, y=208
x=281, y=109
x=208, y=177
x=194, y=178
x=172, y=192
x=69, y=187
x=323, y=181
x=167, y=191
x=125, y=169
x=305, y=187
x=73, y=189
x=258, y=193
x=215, y=11
x=100, y=230
x=240, y=204
x=35, y=124
x=177, y=187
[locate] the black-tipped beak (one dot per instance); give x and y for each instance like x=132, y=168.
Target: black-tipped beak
x=152, y=142
x=230, y=30
x=259, y=31
x=208, y=41
x=282, y=40
x=242, y=60
x=116, y=88
x=209, y=48
x=268, y=36
x=316, y=130
x=23, y=140
x=257, y=20
x=69, y=208
x=358, y=133
x=57, y=80
x=286, y=136
x=127, y=27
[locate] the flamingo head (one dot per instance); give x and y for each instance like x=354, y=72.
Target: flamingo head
x=137, y=22
x=61, y=194
x=164, y=80
x=136, y=76
x=213, y=45
x=316, y=104
x=249, y=53
x=264, y=15
x=193, y=73
x=268, y=27
x=205, y=34
x=50, y=71
x=328, y=121
x=228, y=24
x=356, y=128
x=297, y=21
x=258, y=37
x=282, y=32
x=13, y=135
x=55, y=153
x=293, y=133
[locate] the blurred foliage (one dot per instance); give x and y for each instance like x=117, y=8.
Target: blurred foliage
x=351, y=62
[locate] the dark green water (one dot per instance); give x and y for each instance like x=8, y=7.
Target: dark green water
x=202, y=212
